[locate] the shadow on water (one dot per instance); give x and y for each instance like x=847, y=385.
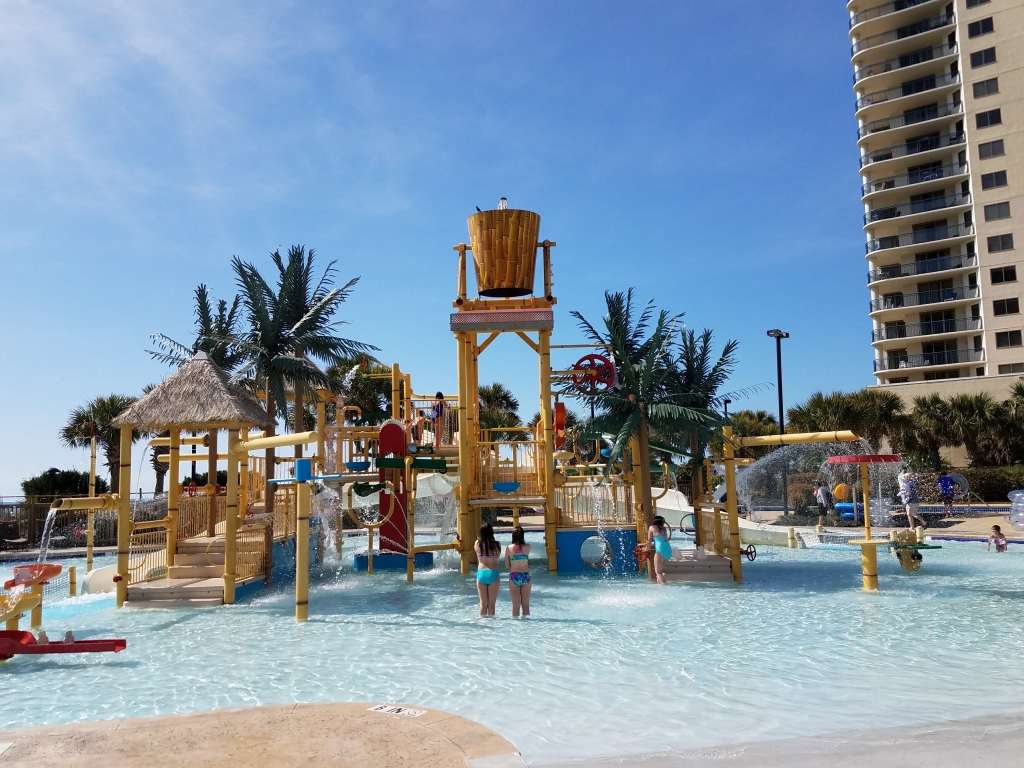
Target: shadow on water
x=36, y=665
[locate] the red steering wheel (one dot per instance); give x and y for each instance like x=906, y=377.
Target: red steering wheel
x=596, y=373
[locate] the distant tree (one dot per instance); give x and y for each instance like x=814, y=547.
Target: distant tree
x=61, y=482
x=499, y=408
x=95, y=417
x=351, y=381
x=747, y=424
x=214, y=329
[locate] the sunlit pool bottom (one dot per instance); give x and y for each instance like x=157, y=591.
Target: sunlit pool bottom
x=606, y=666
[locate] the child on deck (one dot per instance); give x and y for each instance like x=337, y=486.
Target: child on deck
x=996, y=538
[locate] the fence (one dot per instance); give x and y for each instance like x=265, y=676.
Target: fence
x=193, y=517
x=253, y=551
x=147, y=554
x=70, y=526
x=714, y=531
x=591, y=504
x=509, y=461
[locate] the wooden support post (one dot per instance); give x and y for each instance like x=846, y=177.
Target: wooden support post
x=231, y=518
x=173, y=492
x=548, y=446
x=731, y=506
x=90, y=516
x=211, y=484
x=124, y=514
x=466, y=452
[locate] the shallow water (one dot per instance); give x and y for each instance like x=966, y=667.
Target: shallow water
x=606, y=666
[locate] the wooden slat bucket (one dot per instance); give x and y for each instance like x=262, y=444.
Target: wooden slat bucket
x=504, y=246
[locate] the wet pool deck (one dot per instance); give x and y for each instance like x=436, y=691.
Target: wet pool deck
x=306, y=735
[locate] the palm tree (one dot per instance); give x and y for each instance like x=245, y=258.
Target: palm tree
x=827, y=413
x=351, y=381
x=94, y=418
x=269, y=343
x=971, y=417
x=212, y=327
x=747, y=424
x=883, y=416
x=646, y=398
x=928, y=430
x=499, y=408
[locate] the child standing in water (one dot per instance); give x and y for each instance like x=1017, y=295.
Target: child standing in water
x=996, y=538
x=517, y=560
x=487, y=551
x=657, y=536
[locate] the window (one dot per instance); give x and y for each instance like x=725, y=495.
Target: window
x=992, y=117
x=1004, y=275
x=899, y=380
x=997, y=211
x=933, y=375
x=993, y=180
x=986, y=87
x=990, y=149
x=980, y=27
x=981, y=58
x=1008, y=339
x=1006, y=307
x=973, y=3
x=998, y=243
x=1012, y=368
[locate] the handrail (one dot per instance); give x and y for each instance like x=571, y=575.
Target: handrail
x=883, y=10
x=902, y=33
x=899, y=300
x=905, y=60
x=796, y=438
x=915, y=177
x=917, y=206
x=933, y=328
x=911, y=117
x=949, y=357
x=912, y=148
x=924, y=267
x=911, y=88
x=930, y=235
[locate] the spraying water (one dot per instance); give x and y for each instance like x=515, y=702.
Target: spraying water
x=44, y=541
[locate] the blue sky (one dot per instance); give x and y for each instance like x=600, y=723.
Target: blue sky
x=701, y=152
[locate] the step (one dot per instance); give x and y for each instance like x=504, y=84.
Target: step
x=194, y=558
x=170, y=589
x=201, y=546
x=192, y=571
x=705, y=576
x=204, y=602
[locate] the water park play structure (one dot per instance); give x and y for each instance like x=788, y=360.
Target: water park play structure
x=273, y=519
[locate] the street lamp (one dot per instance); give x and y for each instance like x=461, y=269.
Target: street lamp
x=726, y=404
x=778, y=335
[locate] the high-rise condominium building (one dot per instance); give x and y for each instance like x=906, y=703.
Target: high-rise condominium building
x=939, y=89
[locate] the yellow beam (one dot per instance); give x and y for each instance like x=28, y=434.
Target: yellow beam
x=487, y=342
x=164, y=442
x=529, y=342
x=299, y=438
x=103, y=501
x=797, y=438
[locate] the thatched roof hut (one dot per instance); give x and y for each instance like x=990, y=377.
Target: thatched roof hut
x=197, y=394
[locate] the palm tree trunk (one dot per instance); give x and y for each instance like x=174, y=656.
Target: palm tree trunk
x=112, y=453
x=159, y=482
x=271, y=460
x=645, y=488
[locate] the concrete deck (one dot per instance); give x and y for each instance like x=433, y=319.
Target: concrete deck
x=992, y=742
x=299, y=735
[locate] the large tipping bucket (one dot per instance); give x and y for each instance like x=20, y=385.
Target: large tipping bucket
x=504, y=246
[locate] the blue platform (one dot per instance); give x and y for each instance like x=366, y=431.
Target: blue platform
x=569, y=541
x=388, y=561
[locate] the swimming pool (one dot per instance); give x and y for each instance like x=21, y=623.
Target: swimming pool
x=606, y=666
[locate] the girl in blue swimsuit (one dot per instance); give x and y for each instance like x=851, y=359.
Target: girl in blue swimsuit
x=517, y=560
x=657, y=536
x=487, y=552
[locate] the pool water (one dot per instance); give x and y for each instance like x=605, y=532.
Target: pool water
x=605, y=667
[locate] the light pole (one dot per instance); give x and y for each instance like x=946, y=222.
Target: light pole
x=778, y=335
x=726, y=404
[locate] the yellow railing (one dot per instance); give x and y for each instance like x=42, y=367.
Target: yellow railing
x=193, y=517
x=511, y=461
x=590, y=504
x=147, y=554
x=347, y=444
x=252, y=550
x=284, y=513
x=714, y=531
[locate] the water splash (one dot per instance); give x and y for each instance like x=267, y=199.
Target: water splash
x=44, y=541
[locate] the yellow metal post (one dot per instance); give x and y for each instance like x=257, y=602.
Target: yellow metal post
x=303, y=502
x=550, y=512
x=243, y=476
x=211, y=484
x=124, y=514
x=465, y=453
x=731, y=506
x=36, y=619
x=90, y=516
x=638, y=495
x=321, y=434
x=231, y=517
x=410, y=518
x=173, y=491
x=868, y=550
x=72, y=581
x=396, y=392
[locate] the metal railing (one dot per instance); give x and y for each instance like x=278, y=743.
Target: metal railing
x=901, y=33
x=147, y=554
x=589, y=504
x=898, y=300
x=509, y=461
x=948, y=357
x=193, y=517
x=917, y=237
x=916, y=206
x=883, y=10
x=956, y=325
x=910, y=88
x=714, y=531
x=914, y=177
x=904, y=60
x=910, y=117
x=284, y=513
x=913, y=147
x=253, y=545
x=924, y=267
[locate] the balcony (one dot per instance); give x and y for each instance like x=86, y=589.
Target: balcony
x=911, y=59
x=922, y=85
x=913, y=148
x=914, y=116
x=901, y=300
x=910, y=30
x=883, y=10
x=920, y=206
x=914, y=177
x=959, y=325
x=925, y=267
x=920, y=236
x=950, y=357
